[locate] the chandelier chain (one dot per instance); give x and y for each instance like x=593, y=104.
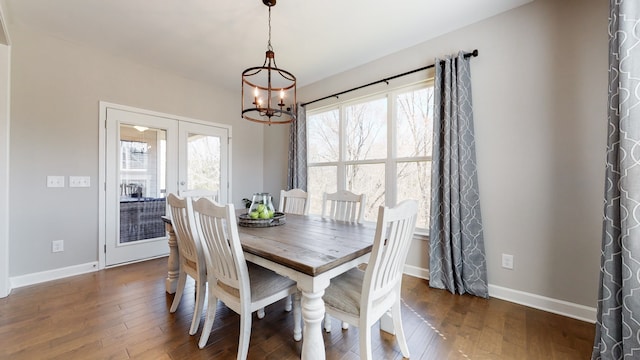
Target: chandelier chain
x=269, y=47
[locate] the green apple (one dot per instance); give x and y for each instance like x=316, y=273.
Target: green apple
x=271, y=214
x=260, y=208
x=264, y=215
x=254, y=214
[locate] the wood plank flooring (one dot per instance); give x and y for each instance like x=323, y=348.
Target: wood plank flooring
x=123, y=313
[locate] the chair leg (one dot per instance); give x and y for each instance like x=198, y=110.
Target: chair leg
x=397, y=325
x=245, y=334
x=208, y=322
x=182, y=279
x=287, y=304
x=327, y=323
x=365, y=341
x=201, y=291
x=297, y=317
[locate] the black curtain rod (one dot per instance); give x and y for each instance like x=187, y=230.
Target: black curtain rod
x=474, y=53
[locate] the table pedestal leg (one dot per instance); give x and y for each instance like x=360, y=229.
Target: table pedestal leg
x=312, y=314
x=171, y=283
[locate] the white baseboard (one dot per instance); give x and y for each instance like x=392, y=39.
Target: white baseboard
x=416, y=271
x=560, y=307
x=40, y=277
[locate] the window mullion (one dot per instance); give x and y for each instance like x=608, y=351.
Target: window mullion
x=341, y=170
x=390, y=164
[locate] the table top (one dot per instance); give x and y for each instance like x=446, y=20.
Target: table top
x=309, y=244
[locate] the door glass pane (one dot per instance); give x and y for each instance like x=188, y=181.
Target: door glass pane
x=142, y=178
x=369, y=180
x=203, y=162
x=321, y=179
x=366, y=130
x=414, y=182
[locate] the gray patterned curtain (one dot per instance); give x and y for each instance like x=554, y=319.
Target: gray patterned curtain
x=618, y=319
x=456, y=258
x=297, y=170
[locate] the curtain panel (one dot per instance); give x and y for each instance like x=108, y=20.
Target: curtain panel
x=618, y=316
x=297, y=169
x=457, y=257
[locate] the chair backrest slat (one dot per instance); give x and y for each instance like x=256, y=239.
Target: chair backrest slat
x=294, y=201
x=344, y=206
x=188, y=243
x=218, y=230
x=394, y=232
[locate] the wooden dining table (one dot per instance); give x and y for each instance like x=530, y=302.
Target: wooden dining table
x=308, y=249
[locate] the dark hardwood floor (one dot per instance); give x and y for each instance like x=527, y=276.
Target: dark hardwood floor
x=123, y=313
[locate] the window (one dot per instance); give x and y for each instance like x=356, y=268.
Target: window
x=379, y=146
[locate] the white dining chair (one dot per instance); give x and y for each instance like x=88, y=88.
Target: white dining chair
x=243, y=287
x=359, y=297
x=191, y=261
x=294, y=201
x=343, y=205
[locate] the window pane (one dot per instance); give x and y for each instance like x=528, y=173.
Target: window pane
x=366, y=130
x=203, y=162
x=415, y=122
x=320, y=179
x=414, y=182
x=323, y=135
x=367, y=179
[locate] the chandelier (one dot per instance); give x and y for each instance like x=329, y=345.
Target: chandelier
x=268, y=93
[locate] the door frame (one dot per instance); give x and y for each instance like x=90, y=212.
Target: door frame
x=102, y=161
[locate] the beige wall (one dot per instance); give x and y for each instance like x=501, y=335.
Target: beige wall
x=56, y=90
x=539, y=93
x=5, y=66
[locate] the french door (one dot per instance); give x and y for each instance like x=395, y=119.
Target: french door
x=148, y=156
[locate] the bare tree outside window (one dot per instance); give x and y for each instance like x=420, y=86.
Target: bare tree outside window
x=323, y=132
x=415, y=129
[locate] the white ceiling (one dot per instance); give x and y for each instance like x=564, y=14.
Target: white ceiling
x=215, y=40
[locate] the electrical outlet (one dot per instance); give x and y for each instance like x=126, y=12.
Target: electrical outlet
x=55, y=181
x=507, y=261
x=57, y=246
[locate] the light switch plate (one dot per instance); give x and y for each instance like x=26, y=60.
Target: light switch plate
x=79, y=181
x=55, y=181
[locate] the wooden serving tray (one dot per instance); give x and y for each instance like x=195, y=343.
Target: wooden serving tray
x=278, y=219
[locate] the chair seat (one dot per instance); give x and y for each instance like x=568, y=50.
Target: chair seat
x=264, y=283
x=345, y=292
